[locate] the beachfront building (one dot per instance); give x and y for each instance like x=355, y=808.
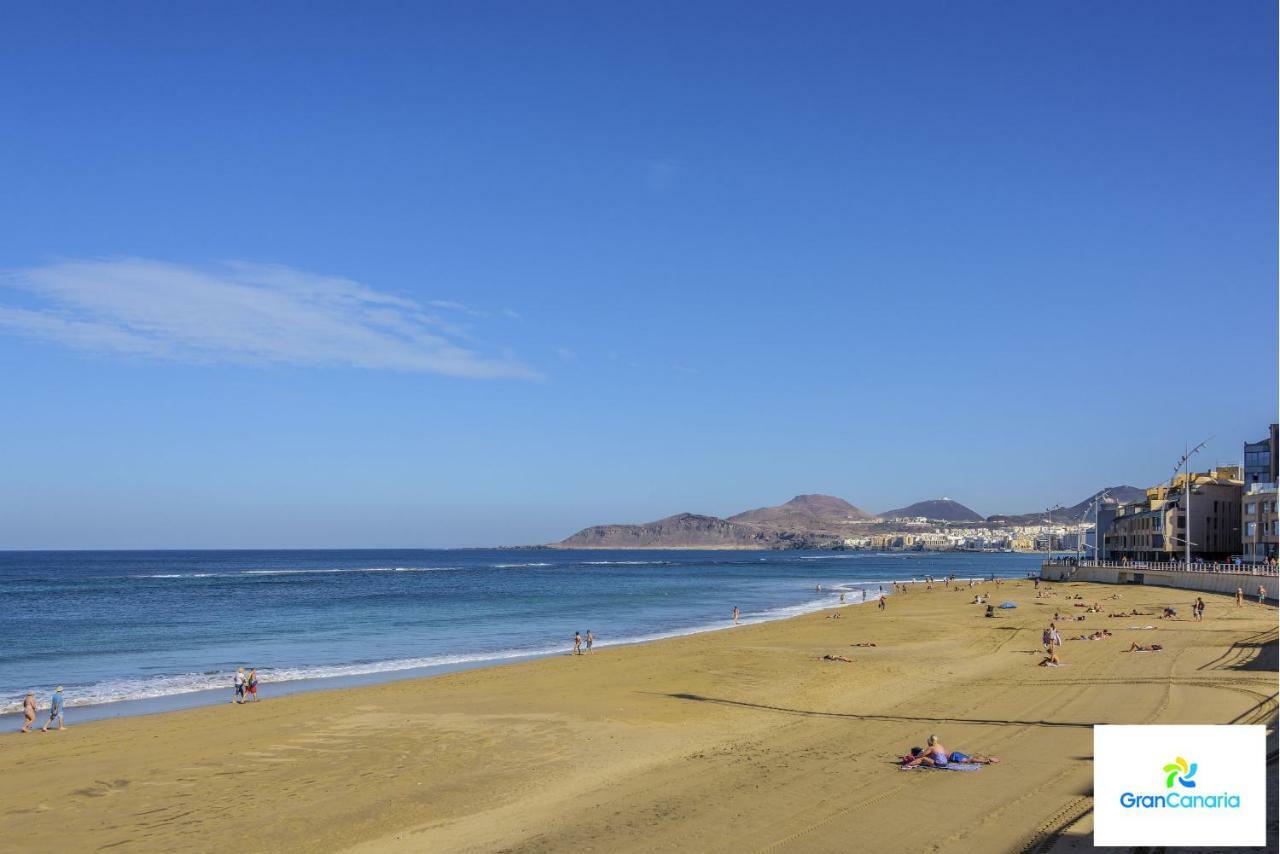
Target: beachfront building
x=1259, y=536
x=1156, y=527
x=1261, y=460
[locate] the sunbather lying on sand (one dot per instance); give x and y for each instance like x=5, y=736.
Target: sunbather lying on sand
x=831, y=657
x=935, y=755
x=1137, y=647
x=864, y=643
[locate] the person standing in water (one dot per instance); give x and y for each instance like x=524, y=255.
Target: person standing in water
x=577, y=643
x=238, y=682
x=55, y=710
x=736, y=614
x=28, y=711
x=591, y=639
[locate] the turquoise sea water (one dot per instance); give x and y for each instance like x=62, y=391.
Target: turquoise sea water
x=114, y=627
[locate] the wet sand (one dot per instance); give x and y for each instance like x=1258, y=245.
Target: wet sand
x=739, y=740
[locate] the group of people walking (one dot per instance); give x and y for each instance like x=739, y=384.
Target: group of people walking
x=246, y=685
x=578, y=642
x=56, y=709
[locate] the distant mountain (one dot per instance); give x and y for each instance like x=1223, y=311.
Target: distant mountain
x=1076, y=512
x=805, y=513
x=942, y=509
x=691, y=531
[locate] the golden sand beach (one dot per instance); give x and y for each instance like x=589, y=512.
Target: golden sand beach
x=737, y=740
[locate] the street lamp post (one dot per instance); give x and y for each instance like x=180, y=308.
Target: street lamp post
x=1185, y=465
x=1097, y=535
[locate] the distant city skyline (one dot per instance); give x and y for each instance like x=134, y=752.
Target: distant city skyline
x=435, y=277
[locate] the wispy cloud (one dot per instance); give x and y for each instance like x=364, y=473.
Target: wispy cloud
x=242, y=313
x=451, y=305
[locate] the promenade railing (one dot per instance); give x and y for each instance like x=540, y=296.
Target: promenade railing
x=1171, y=566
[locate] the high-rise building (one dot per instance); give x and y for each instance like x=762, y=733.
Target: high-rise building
x=1261, y=459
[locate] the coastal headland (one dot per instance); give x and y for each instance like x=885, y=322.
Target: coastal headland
x=745, y=739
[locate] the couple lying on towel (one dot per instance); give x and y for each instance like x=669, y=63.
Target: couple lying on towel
x=937, y=756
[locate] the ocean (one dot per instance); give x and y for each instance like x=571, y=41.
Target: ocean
x=132, y=632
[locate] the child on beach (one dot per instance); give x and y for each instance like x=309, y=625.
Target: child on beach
x=577, y=643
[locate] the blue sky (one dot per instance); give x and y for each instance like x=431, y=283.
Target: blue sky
x=464, y=274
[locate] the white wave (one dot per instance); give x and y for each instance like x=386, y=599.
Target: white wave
x=518, y=565
x=626, y=562
x=258, y=572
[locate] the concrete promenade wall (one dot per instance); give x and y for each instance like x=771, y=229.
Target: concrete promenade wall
x=1205, y=581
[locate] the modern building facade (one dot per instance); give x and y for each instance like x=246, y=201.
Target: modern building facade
x=1258, y=520
x=1158, y=527
x=1261, y=459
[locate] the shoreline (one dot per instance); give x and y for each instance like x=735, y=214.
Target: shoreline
x=713, y=741
x=201, y=697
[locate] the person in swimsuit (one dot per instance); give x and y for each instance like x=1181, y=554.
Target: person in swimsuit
x=577, y=643
x=938, y=756
x=881, y=605
x=251, y=684
x=1262, y=594
x=1137, y=647
x=591, y=639
x=1239, y=597
x=28, y=712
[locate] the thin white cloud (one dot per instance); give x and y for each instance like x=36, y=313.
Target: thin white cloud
x=242, y=313
x=452, y=305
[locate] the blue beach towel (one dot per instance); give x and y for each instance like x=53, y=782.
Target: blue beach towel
x=1007, y=605
x=948, y=767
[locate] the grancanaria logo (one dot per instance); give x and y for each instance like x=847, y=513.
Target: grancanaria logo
x=1181, y=771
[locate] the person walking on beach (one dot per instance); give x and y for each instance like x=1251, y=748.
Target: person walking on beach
x=1239, y=597
x=736, y=614
x=238, y=681
x=881, y=605
x=577, y=643
x=1262, y=594
x=28, y=711
x=1198, y=609
x=591, y=639
x=55, y=710
x=1051, y=638
x=251, y=684
x=864, y=595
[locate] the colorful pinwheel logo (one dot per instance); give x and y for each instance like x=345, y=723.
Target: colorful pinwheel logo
x=1181, y=771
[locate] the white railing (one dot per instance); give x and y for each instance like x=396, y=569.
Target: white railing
x=1169, y=566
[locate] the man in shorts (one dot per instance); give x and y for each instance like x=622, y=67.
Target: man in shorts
x=55, y=710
